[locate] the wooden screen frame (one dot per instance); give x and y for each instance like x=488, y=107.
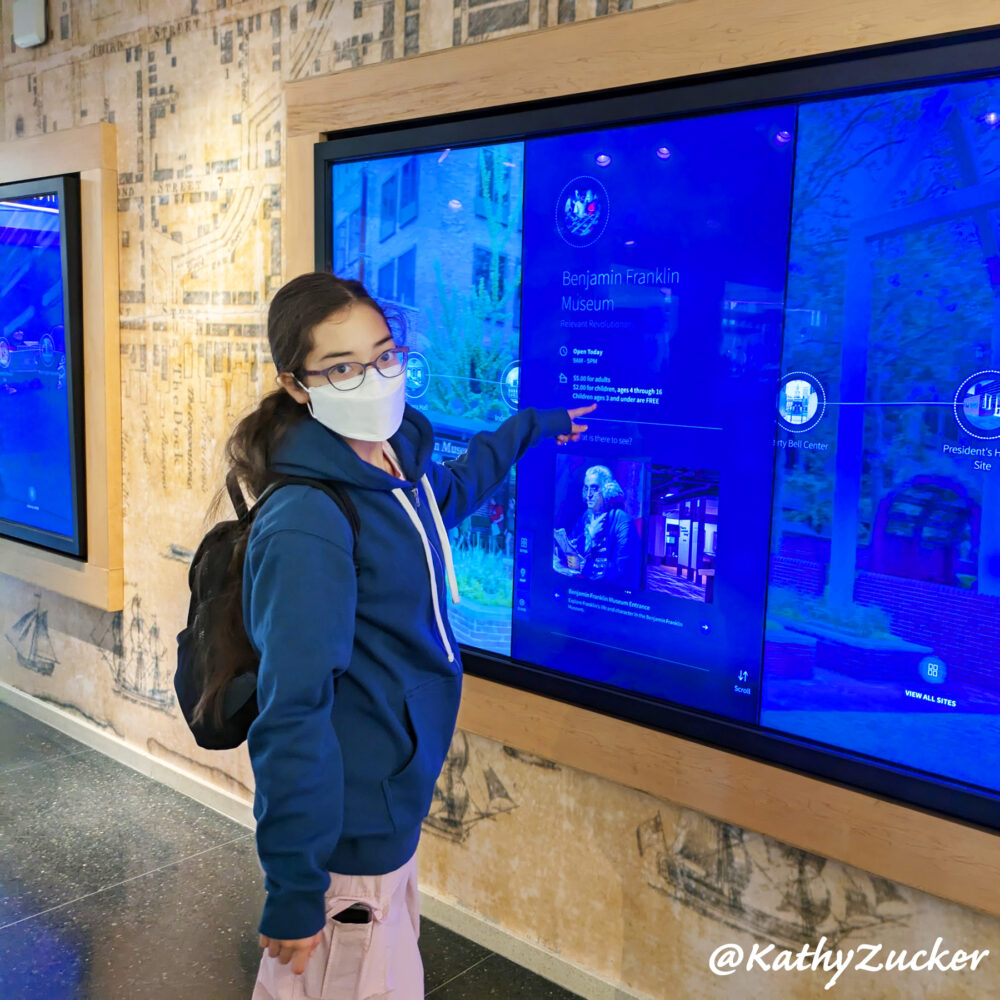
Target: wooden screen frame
x=950, y=859
x=92, y=151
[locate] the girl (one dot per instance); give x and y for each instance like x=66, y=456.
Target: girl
x=359, y=677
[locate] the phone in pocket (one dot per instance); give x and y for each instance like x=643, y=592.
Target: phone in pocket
x=357, y=913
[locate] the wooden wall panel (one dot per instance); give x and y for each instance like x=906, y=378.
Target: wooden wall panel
x=91, y=151
x=936, y=855
x=678, y=40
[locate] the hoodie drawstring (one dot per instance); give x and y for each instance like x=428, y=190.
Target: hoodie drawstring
x=412, y=514
x=445, y=547
x=449, y=563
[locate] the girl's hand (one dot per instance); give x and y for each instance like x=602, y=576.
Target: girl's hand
x=576, y=429
x=297, y=951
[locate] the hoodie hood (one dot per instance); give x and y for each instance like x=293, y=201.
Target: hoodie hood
x=311, y=449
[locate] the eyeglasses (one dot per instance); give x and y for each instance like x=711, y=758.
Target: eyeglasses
x=589, y=488
x=347, y=375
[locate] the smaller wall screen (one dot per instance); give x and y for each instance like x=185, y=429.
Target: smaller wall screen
x=41, y=419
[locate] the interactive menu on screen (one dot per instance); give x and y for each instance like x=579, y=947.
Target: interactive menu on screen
x=653, y=273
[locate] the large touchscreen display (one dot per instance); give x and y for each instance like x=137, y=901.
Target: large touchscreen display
x=785, y=510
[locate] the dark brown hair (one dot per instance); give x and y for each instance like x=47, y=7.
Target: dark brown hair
x=297, y=307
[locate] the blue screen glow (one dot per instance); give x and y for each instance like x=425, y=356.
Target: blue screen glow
x=785, y=511
x=36, y=468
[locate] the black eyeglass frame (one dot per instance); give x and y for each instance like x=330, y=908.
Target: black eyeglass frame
x=402, y=352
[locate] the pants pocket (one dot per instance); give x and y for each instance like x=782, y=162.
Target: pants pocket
x=349, y=963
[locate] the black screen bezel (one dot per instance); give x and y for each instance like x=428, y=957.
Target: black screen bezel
x=67, y=188
x=949, y=58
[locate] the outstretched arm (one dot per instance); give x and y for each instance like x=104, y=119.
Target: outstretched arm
x=461, y=485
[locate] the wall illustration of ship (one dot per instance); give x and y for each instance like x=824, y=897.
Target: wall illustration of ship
x=137, y=659
x=29, y=636
x=464, y=795
x=525, y=757
x=771, y=890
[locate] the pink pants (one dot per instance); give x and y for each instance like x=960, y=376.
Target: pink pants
x=379, y=960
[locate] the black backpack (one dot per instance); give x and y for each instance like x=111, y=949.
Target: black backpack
x=212, y=578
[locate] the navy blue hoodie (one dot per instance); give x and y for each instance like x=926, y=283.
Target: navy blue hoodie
x=359, y=679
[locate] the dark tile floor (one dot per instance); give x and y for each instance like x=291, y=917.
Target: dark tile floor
x=114, y=886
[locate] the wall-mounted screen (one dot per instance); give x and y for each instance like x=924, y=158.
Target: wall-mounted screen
x=782, y=532
x=42, y=489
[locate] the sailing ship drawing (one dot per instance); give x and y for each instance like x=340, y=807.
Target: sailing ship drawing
x=465, y=796
x=135, y=659
x=29, y=636
x=525, y=757
x=755, y=884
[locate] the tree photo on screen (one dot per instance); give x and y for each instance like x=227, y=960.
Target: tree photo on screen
x=438, y=240
x=881, y=510
x=472, y=328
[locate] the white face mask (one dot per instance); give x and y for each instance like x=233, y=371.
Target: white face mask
x=372, y=412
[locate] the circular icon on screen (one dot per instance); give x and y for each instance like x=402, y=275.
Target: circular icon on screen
x=510, y=384
x=48, y=351
x=801, y=402
x=977, y=405
x=933, y=670
x=582, y=211
x=418, y=375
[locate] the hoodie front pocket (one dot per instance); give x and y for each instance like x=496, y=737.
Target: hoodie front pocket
x=432, y=709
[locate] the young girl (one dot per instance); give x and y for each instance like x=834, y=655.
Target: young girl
x=359, y=676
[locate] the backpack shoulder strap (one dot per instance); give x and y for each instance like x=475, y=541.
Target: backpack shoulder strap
x=340, y=497
x=244, y=513
x=236, y=494
x=334, y=491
